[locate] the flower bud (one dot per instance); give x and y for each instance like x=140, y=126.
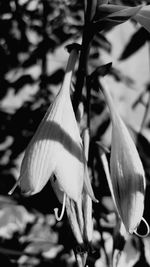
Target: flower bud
x=88, y=220
x=73, y=221
x=86, y=200
x=127, y=179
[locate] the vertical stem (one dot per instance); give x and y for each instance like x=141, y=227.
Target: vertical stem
x=82, y=70
x=90, y=7
x=44, y=57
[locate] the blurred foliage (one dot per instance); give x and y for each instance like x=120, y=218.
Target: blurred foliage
x=31, y=31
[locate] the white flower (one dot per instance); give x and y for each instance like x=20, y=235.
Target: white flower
x=127, y=178
x=56, y=148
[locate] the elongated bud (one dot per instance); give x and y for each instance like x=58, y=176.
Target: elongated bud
x=127, y=180
x=87, y=185
x=79, y=214
x=86, y=200
x=88, y=221
x=86, y=142
x=71, y=214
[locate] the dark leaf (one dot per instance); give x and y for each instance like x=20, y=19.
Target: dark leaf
x=106, y=10
x=101, y=71
x=143, y=17
x=109, y=16
x=136, y=42
x=101, y=41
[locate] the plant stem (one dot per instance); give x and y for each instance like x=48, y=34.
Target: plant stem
x=44, y=56
x=82, y=70
x=86, y=43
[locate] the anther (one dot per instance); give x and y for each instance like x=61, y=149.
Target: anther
x=14, y=187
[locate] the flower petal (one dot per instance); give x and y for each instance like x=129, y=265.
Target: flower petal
x=128, y=177
x=70, y=158
x=127, y=173
x=40, y=159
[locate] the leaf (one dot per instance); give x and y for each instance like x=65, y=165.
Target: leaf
x=106, y=10
x=143, y=17
x=112, y=15
x=101, y=71
x=125, y=12
x=136, y=42
x=101, y=41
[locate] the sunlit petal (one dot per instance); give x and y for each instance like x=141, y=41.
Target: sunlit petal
x=127, y=173
x=53, y=135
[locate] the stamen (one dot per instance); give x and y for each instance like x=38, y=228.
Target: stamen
x=14, y=187
x=58, y=218
x=148, y=229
